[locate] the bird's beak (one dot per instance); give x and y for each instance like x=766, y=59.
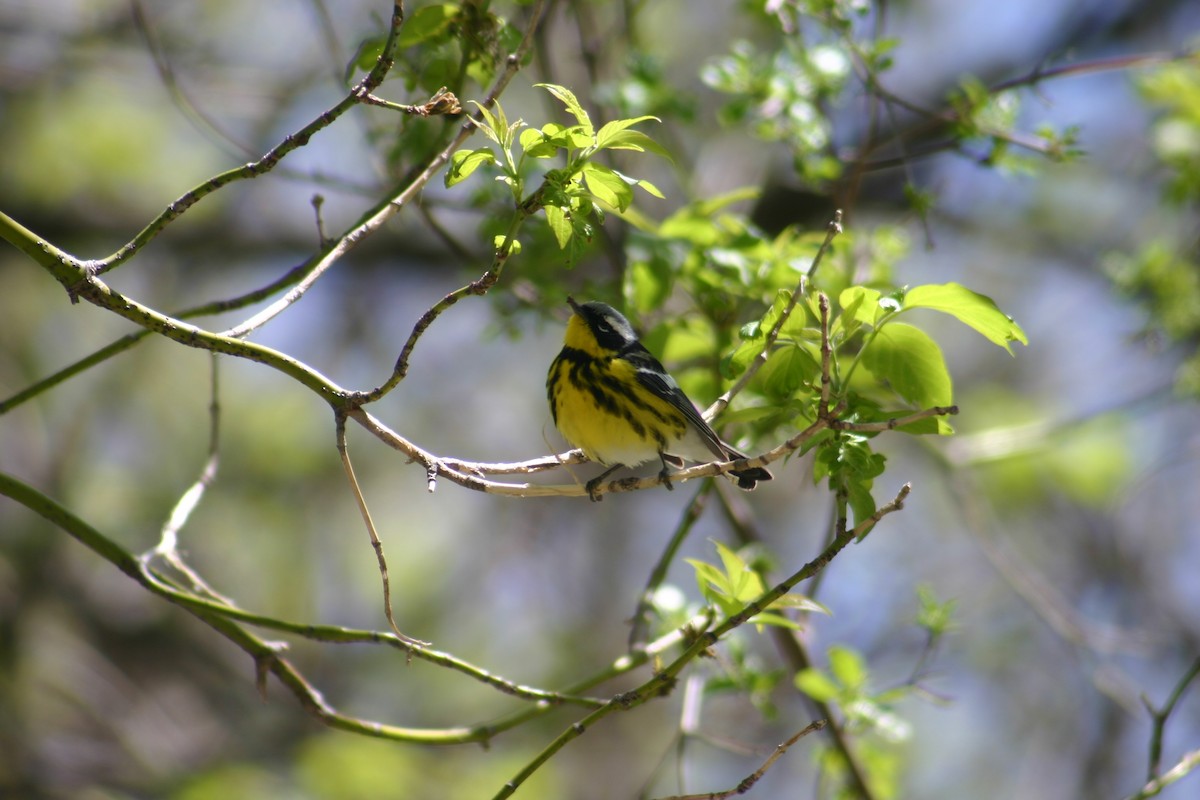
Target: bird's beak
x=571, y=302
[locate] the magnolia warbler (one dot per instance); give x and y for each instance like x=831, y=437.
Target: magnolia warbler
x=612, y=399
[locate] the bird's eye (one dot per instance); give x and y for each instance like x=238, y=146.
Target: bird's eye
x=603, y=327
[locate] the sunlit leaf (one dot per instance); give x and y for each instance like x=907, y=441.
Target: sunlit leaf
x=847, y=667
x=464, y=162
x=572, y=103
x=860, y=304
x=560, y=225
x=817, y=685
x=607, y=186
x=911, y=363
x=787, y=370
x=971, y=308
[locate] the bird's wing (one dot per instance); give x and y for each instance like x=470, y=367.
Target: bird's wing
x=653, y=377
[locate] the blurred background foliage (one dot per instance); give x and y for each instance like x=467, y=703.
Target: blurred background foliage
x=1061, y=523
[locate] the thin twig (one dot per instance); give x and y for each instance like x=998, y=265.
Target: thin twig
x=268, y=161
x=1182, y=768
x=826, y=355
x=468, y=474
x=794, y=651
x=747, y=783
x=376, y=542
x=1159, y=718
x=938, y=119
x=139, y=570
x=478, y=287
x=640, y=623
x=443, y=101
x=374, y=218
x=168, y=540
x=126, y=342
x=721, y=403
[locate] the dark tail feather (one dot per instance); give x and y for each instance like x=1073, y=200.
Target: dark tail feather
x=747, y=479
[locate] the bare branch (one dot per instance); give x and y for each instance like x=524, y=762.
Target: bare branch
x=748, y=782
x=1182, y=768
x=1159, y=717
x=268, y=161
x=376, y=543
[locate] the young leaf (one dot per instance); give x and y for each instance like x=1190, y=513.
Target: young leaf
x=817, y=685
x=860, y=304
x=743, y=583
x=909, y=360
x=490, y=126
x=649, y=188
x=607, y=186
x=787, y=369
x=560, y=225
x=609, y=131
x=573, y=106
x=862, y=504
x=847, y=667
x=971, y=308
x=535, y=144
x=426, y=23
x=464, y=162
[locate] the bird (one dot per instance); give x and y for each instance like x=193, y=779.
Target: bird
x=615, y=401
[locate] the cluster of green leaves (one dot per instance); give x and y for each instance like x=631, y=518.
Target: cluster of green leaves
x=455, y=46
x=1175, y=91
x=453, y=41
x=573, y=197
x=882, y=366
x=990, y=119
x=870, y=713
x=737, y=582
x=1165, y=275
x=780, y=95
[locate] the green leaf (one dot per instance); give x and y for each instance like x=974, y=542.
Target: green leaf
x=365, y=56
x=607, y=185
x=743, y=583
x=464, y=162
x=560, y=225
x=802, y=603
x=615, y=136
x=707, y=576
x=848, y=667
x=860, y=304
x=971, y=308
x=496, y=127
x=573, y=106
x=787, y=370
x=935, y=616
x=817, y=685
x=427, y=22
x=911, y=362
x=535, y=144
x=648, y=283
x=610, y=130
x=862, y=504
x=650, y=188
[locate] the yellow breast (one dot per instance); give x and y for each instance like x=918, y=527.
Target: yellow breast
x=600, y=408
